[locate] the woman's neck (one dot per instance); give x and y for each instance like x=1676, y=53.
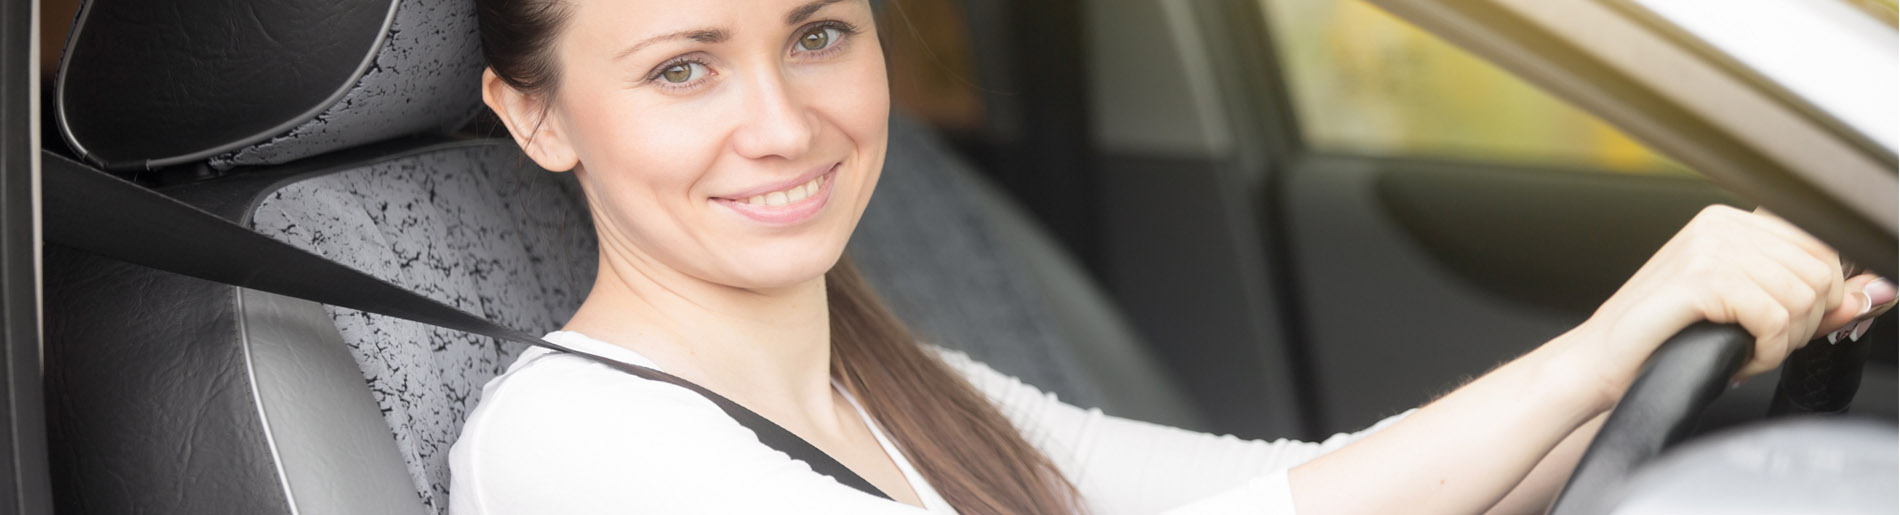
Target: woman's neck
x=767, y=349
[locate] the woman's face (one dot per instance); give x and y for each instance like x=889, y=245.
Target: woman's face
x=733, y=141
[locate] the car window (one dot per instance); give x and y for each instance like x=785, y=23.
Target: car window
x=1364, y=82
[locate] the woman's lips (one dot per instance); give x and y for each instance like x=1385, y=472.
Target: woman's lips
x=786, y=206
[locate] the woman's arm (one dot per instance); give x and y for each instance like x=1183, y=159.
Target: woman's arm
x=1534, y=494
x=1129, y=466
x=1467, y=451
x=1462, y=453
x=568, y=435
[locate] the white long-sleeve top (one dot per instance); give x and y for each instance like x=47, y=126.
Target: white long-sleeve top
x=560, y=433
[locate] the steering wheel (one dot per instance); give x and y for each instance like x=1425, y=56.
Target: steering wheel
x=1682, y=378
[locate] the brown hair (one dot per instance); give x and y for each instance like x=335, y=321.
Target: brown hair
x=958, y=441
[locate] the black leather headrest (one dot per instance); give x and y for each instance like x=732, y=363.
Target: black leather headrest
x=146, y=83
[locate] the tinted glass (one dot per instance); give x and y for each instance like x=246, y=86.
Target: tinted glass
x=1365, y=82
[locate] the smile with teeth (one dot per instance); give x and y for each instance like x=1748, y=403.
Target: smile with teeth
x=783, y=197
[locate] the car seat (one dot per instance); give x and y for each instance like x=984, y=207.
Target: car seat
x=331, y=126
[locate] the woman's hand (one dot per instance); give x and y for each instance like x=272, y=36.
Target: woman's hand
x=1727, y=266
x=1468, y=450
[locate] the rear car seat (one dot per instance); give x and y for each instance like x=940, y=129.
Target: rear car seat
x=324, y=124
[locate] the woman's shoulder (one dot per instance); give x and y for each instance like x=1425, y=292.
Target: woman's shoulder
x=963, y=364
x=561, y=426
x=553, y=393
x=980, y=374
x=562, y=433
x=1021, y=402
x=546, y=390
x=563, y=385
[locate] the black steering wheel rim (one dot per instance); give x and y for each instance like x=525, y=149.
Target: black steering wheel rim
x=1683, y=377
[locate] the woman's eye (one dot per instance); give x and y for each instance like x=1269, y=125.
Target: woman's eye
x=682, y=73
x=818, y=38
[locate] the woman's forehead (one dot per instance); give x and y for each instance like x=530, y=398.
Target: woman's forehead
x=629, y=22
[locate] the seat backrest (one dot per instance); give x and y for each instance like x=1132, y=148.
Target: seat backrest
x=467, y=225
x=969, y=269
x=177, y=396
x=280, y=405
x=180, y=396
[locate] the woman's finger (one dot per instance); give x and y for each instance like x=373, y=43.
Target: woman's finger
x=1819, y=268
x=1821, y=275
x=1797, y=298
x=1807, y=242
x=1745, y=303
x=1866, y=293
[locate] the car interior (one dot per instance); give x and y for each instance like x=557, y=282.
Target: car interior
x=1265, y=218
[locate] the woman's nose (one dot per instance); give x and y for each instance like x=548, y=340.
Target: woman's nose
x=775, y=122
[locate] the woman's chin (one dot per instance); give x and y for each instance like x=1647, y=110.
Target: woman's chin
x=772, y=272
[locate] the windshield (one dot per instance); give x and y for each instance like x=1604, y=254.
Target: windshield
x=1837, y=57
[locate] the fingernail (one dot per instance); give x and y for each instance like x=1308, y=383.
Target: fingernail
x=1835, y=337
x=1878, y=292
x=1861, y=329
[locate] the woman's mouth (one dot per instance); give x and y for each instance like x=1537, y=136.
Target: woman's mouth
x=789, y=196
x=787, y=205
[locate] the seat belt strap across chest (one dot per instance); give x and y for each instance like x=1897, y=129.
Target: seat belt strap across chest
x=91, y=211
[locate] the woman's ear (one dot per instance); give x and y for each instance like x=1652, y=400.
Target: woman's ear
x=527, y=119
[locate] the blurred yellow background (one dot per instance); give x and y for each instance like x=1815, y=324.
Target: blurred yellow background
x=1365, y=82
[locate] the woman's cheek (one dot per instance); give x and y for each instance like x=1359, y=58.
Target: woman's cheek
x=646, y=170
x=641, y=147
x=864, y=93
x=652, y=140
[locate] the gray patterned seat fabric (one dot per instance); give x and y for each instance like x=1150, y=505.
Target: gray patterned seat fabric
x=471, y=227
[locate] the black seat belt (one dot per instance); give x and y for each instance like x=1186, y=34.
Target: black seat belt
x=89, y=210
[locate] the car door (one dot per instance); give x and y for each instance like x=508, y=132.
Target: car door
x=1313, y=196
x=1442, y=216
x=1435, y=267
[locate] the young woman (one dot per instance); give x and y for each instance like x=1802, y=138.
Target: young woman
x=727, y=149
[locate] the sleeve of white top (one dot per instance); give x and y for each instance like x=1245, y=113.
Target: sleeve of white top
x=1129, y=466
x=575, y=437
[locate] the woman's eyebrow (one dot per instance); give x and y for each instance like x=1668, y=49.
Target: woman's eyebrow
x=804, y=12
x=712, y=35
x=708, y=36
